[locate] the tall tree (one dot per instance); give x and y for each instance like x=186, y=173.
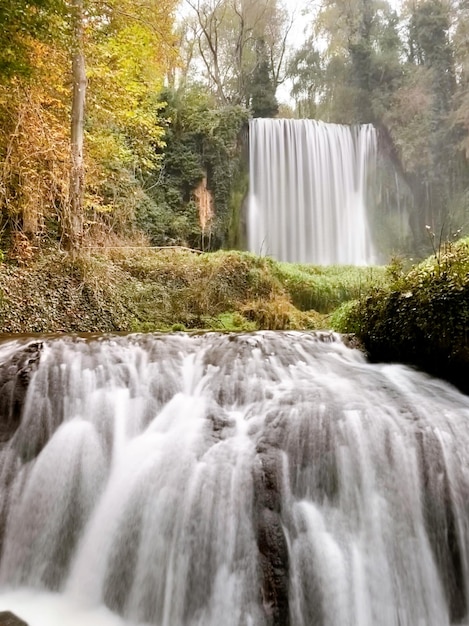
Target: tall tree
x=227, y=33
x=262, y=99
x=429, y=145
x=73, y=218
x=306, y=71
x=129, y=49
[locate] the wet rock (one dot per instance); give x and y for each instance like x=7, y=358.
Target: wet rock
x=15, y=375
x=441, y=523
x=271, y=541
x=352, y=341
x=274, y=565
x=10, y=619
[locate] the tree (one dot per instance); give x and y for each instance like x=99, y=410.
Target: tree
x=306, y=71
x=201, y=146
x=22, y=23
x=129, y=49
x=73, y=217
x=262, y=100
x=227, y=33
x=399, y=73
x=432, y=156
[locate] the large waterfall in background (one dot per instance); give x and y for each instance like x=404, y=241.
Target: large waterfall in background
x=267, y=479
x=308, y=187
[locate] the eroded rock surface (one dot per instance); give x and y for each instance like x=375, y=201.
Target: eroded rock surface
x=15, y=374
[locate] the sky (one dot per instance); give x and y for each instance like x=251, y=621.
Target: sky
x=295, y=38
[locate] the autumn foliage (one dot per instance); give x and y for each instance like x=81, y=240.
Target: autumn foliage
x=129, y=50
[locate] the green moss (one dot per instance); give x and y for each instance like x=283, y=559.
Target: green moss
x=421, y=317
x=344, y=319
x=233, y=321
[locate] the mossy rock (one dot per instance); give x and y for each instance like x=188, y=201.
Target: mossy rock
x=421, y=318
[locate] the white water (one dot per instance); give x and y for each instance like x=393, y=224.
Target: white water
x=308, y=186
x=137, y=486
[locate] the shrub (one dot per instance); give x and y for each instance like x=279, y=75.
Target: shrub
x=421, y=317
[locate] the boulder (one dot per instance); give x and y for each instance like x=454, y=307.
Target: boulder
x=7, y=618
x=15, y=375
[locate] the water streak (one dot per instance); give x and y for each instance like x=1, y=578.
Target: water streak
x=308, y=186
x=244, y=480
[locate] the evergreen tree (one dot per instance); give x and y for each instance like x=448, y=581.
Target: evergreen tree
x=263, y=101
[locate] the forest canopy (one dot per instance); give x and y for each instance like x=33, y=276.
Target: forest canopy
x=168, y=87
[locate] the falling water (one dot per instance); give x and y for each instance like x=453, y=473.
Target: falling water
x=236, y=480
x=308, y=187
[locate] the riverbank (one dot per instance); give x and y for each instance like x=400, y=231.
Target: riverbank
x=418, y=316
x=143, y=289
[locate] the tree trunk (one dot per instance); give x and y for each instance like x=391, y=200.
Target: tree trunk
x=73, y=225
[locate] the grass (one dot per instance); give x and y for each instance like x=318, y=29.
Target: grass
x=173, y=289
x=324, y=288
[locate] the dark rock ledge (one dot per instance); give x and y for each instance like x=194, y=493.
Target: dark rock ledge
x=15, y=375
x=9, y=619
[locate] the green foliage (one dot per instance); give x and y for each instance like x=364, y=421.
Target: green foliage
x=353, y=80
x=239, y=190
x=148, y=290
x=325, y=288
x=165, y=225
x=421, y=316
x=306, y=71
x=127, y=59
x=22, y=22
x=201, y=141
x=262, y=89
x=344, y=320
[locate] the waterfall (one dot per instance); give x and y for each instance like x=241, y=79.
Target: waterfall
x=308, y=187
x=238, y=480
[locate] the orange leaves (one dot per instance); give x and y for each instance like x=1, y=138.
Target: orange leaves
x=130, y=48
x=34, y=142
x=35, y=161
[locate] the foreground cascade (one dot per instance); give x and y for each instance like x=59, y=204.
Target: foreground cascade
x=308, y=188
x=267, y=479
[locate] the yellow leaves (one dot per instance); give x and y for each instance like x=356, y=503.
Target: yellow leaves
x=126, y=71
x=34, y=139
x=33, y=173
x=130, y=48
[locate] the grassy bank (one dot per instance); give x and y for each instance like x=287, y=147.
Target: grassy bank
x=142, y=289
x=418, y=316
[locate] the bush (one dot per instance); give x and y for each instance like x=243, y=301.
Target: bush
x=421, y=317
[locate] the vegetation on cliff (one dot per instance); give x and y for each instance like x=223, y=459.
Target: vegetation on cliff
x=419, y=316
x=168, y=93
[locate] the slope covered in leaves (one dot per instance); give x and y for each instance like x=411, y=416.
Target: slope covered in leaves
x=170, y=289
